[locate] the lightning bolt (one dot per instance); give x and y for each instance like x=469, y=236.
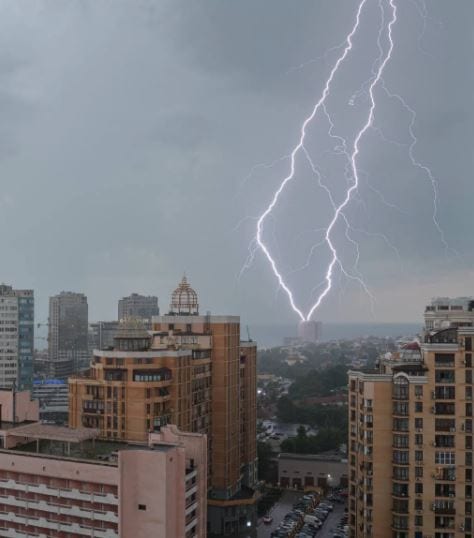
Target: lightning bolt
x=291, y=175
x=354, y=172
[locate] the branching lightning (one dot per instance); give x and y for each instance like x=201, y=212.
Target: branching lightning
x=291, y=175
x=352, y=173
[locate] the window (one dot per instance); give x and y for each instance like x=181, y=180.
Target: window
x=445, y=458
x=418, y=407
x=418, y=521
x=418, y=487
x=444, y=359
x=418, y=390
x=444, y=376
x=468, y=376
x=142, y=506
x=419, y=423
x=418, y=472
x=418, y=504
x=468, y=343
x=418, y=455
x=418, y=439
x=468, y=360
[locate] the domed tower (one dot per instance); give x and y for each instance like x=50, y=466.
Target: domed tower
x=184, y=300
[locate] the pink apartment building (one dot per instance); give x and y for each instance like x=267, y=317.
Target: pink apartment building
x=64, y=483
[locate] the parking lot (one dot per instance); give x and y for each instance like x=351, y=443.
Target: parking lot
x=278, y=512
x=285, y=504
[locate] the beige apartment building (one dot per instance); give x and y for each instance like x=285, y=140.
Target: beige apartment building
x=192, y=371
x=58, y=482
x=410, y=433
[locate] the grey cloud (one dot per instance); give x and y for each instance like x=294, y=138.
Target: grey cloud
x=133, y=125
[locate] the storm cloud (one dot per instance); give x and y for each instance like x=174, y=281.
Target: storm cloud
x=128, y=131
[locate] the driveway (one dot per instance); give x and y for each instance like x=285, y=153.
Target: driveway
x=332, y=521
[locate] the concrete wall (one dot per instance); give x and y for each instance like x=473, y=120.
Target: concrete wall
x=302, y=469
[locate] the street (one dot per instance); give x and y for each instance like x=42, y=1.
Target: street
x=285, y=504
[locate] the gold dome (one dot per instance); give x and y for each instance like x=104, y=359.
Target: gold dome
x=184, y=299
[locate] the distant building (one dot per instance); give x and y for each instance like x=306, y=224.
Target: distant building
x=311, y=470
x=310, y=331
x=57, y=481
x=290, y=341
x=138, y=306
x=16, y=337
x=102, y=334
x=68, y=334
x=295, y=357
x=53, y=397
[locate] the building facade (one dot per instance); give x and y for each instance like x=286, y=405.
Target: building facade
x=53, y=398
x=138, y=306
x=68, y=334
x=417, y=407
x=102, y=334
x=309, y=331
x=311, y=470
x=16, y=337
x=192, y=371
x=59, y=482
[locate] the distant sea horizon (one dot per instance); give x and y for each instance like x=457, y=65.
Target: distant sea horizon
x=272, y=335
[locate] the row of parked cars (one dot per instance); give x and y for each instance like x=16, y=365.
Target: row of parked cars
x=342, y=529
x=305, y=519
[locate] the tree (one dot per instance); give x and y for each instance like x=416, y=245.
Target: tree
x=265, y=455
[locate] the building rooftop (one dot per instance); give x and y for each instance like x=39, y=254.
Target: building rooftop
x=105, y=452
x=37, y=430
x=311, y=457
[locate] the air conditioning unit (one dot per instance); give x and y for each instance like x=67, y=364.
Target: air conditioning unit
x=452, y=429
x=463, y=426
x=419, y=429
x=432, y=394
x=433, y=409
x=461, y=528
x=433, y=506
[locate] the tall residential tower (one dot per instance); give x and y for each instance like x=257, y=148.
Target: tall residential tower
x=16, y=337
x=68, y=333
x=411, y=433
x=138, y=306
x=192, y=371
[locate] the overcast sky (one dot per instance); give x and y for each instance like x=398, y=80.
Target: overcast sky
x=129, y=127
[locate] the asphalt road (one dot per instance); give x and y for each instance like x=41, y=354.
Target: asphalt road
x=285, y=504
x=332, y=521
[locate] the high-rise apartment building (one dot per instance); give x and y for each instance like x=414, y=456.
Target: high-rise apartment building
x=57, y=482
x=309, y=331
x=102, y=334
x=411, y=433
x=68, y=332
x=192, y=371
x=138, y=306
x=16, y=337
